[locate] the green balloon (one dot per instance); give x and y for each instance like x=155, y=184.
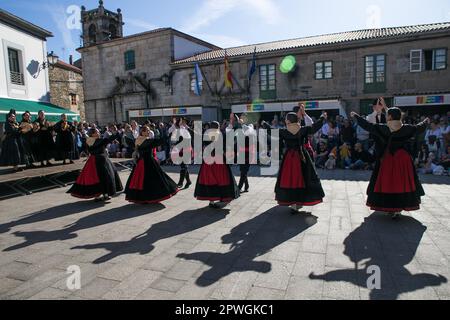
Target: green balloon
x=288, y=64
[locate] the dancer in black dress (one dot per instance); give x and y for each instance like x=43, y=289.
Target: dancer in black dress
x=26, y=140
x=11, y=154
x=99, y=178
x=45, y=137
x=215, y=181
x=148, y=183
x=298, y=184
x=394, y=186
x=64, y=139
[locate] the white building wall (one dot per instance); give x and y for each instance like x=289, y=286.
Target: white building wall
x=34, y=53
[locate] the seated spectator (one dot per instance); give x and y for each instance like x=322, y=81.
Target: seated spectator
x=361, y=159
x=445, y=160
x=322, y=155
x=161, y=155
x=330, y=164
x=422, y=158
x=345, y=156
x=431, y=167
x=114, y=150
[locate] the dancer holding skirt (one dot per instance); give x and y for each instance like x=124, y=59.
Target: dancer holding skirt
x=298, y=184
x=99, y=178
x=394, y=186
x=148, y=183
x=215, y=181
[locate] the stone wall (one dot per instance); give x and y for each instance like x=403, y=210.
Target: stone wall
x=63, y=83
x=154, y=51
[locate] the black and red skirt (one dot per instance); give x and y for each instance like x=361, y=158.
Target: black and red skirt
x=298, y=183
x=149, y=184
x=395, y=186
x=216, y=183
x=97, y=178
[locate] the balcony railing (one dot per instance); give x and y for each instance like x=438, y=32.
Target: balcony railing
x=17, y=78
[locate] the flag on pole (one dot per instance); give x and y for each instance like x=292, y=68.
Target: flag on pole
x=252, y=70
x=198, y=80
x=228, y=75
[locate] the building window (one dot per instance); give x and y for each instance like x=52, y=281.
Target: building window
x=130, y=62
x=415, y=60
x=16, y=74
x=324, y=70
x=194, y=83
x=428, y=60
x=375, y=73
x=73, y=99
x=267, y=81
x=72, y=75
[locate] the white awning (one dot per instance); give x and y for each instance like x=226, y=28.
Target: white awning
x=167, y=112
x=289, y=106
x=428, y=100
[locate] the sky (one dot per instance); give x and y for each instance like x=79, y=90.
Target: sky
x=229, y=23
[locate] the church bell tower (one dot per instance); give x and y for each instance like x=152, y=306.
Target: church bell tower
x=100, y=25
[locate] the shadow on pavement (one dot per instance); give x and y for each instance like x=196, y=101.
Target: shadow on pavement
x=250, y=240
x=97, y=219
x=390, y=245
x=185, y=222
x=64, y=210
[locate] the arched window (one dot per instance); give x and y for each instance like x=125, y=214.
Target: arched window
x=92, y=34
x=112, y=31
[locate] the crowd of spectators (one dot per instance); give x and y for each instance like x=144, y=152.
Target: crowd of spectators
x=340, y=144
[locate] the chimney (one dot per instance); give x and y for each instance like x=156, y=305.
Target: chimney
x=71, y=60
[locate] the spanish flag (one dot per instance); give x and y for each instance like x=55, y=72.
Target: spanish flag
x=228, y=75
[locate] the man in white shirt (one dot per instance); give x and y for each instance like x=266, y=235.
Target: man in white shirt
x=378, y=116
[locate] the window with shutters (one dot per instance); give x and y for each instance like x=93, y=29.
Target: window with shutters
x=267, y=81
x=428, y=60
x=324, y=70
x=15, y=67
x=415, y=58
x=375, y=74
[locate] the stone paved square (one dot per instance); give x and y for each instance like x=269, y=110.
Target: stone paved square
x=252, y=249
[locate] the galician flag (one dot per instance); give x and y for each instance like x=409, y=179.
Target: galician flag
x=228, y=75
x=198, y=80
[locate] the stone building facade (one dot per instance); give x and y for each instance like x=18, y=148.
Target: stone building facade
x=66, y=87
x=150, y=75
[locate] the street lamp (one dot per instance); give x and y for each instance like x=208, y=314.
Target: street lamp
x=52, y=59
x=167, y=80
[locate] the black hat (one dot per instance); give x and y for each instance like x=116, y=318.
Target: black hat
x=215, y=125
x=12, y=111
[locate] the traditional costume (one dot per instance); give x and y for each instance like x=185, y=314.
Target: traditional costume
x=64, y=140
x=11, y=154
x=99, y=176
x=148, y=183
x=46, y=147
x=26, y=142
x=394, y=186
x=298, y=183
x=215, y=180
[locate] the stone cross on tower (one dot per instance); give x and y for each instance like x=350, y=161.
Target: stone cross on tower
x=100, y=25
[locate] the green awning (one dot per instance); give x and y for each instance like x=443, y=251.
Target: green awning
x=52, y=112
